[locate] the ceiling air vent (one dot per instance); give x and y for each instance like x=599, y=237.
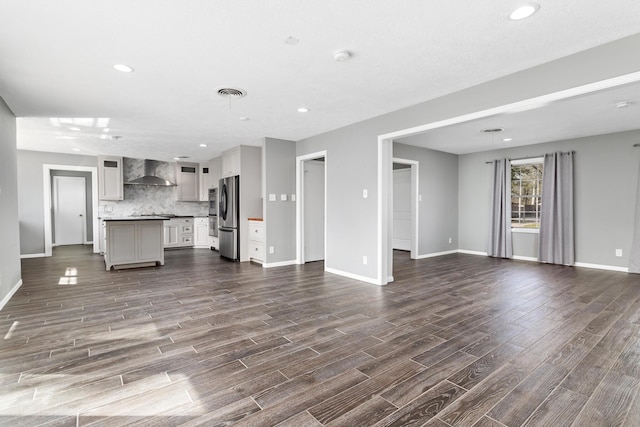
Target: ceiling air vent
x=232, y=93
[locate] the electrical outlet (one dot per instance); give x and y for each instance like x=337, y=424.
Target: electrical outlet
x=618, y=252
x=365, y=193
x=419, y=197
x=271, y=249
x=364, y=260
x=449, y=240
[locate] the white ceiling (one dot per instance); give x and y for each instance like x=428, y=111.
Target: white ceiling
x=57, y=57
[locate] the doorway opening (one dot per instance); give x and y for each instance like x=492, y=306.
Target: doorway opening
x=69, y=210
x=311, y=190
x=91, y=218
x=404, y=200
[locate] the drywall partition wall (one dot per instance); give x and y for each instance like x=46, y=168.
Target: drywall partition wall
x=438, y=186
x=605, y=172
x=10, y=274
x=353, y=229
x=279, y=176
x=31, y=194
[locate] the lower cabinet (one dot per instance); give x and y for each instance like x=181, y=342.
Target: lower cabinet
x=201, y=232
x=178, y=233
x=133, y=244
x=256, y=241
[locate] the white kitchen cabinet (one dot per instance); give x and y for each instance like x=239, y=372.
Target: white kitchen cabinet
x=256, y=241
x=201, y=232
x=188, y=181
x=205, y=182
x=178, y=233
x=110, y=178
x=133, y=244
x=215, y=170
x=231, y=162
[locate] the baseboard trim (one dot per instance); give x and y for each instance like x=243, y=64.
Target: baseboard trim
x=601, y=267
x=42, y=255
x=279, y=263
x=6, y=299
x=435, y=254
x=525, y=258
x=353, y=276
x=464, y=251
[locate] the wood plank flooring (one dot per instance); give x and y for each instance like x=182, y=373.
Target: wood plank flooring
x=458, y=340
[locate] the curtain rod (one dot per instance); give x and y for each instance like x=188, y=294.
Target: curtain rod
x=535, y=157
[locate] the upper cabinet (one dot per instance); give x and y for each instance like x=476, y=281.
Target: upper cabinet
x=187, y=175
x=209, y=176
x=110, y=178
x=231, y=162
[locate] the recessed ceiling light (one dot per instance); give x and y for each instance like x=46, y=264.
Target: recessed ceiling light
x=244, y=119
x=303, y=110
x=123, y=68
x=66, y=137
x=524, y=11
x=75, y=149
x=292, y=40
x=75, y=128
x=507, y=139
x=341, y=55
x=623, y=104
x=203, y=145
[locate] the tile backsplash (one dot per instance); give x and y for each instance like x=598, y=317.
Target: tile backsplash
x=149, y=199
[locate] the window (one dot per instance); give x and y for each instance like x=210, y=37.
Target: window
x=526, y=191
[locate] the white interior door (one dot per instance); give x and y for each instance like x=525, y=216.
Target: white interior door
x=69, y=210
x=402, y=209
x=313, y=210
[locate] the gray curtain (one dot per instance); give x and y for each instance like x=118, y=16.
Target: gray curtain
x=556, y=216
x=500, y=244
x=634, y=255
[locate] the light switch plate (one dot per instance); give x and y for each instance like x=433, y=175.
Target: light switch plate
x=283, y=197
x=272, y=197
x=293, y=197
x=365, y=193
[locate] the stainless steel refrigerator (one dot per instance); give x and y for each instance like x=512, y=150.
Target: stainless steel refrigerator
x=228, y=217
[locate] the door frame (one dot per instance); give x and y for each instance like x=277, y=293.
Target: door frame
x=415, y=195
x=300, y=204
x=55, y=207
x=47, y=205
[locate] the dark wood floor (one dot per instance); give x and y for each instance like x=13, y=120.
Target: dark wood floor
x=458, y=340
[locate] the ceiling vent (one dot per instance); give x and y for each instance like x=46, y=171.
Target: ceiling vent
x=231, y=93
x=492, y=130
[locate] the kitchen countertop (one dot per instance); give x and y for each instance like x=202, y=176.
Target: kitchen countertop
x=254, y=219
x=135, y=218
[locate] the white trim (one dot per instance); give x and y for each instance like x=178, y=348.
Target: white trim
x=7, y=297
x=519, y=106
x=601, y=267
x=528, y=161
x=467, y=252
x=23, y=256
x=354, y=276
x=385, y=209
x=525, y=258
x=435, y=254
x=299, y=203
x=415, y=184
x=279, y=263
x=525, y=230
x=46, y=184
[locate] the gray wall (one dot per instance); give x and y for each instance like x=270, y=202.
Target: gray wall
x=438, y=185
x=352, y=151
x=280, y=216
x=31, y=193
x=605, y=173
x=88, y=203
x=10, y=273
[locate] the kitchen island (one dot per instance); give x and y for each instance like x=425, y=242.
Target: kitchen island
x=135, y=241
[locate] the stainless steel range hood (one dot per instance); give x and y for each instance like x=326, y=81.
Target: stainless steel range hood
x=150, y=177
